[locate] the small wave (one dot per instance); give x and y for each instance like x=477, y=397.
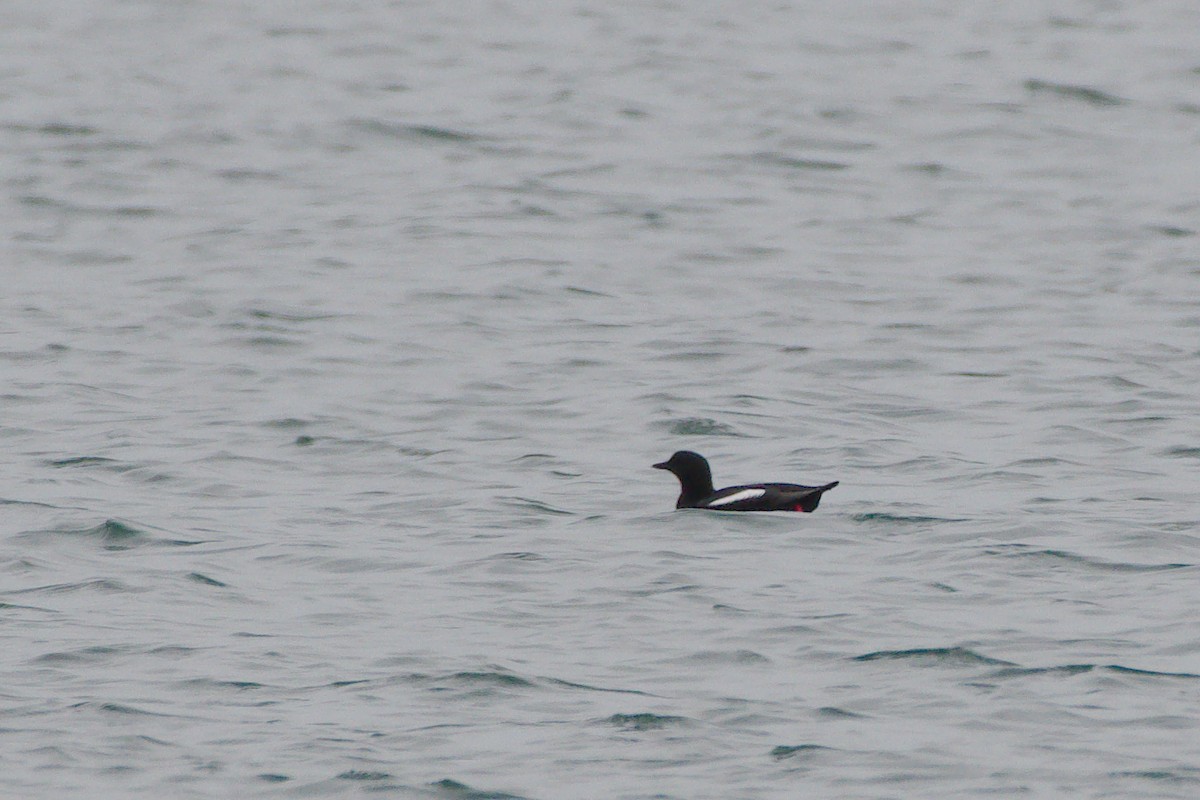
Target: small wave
x=363, y=775
x=795, y=162
x=80, y=461
x=94, y=585
x=414, y=132
x=1188, y=775
x=294, y=315
x=86, y=655
x=699, y=426
x=1071, y=670
x=113, y=530
x=1065, y=670
x=536, y=505
x=480, y=681
x=783, y=751
x=939, y=656
x=645, y=721
x=904, y=519
x=203, y=684
x=727, y=657
x=204, y=579
x=115, y=534
x=586, y=687
x=58, y=129
x=1027, y=551
x=1149, y=673
x=517, y=556
x=119, y=708
x=493, y=678
x=1087, y=94
x=461, y=791
x=833, y=712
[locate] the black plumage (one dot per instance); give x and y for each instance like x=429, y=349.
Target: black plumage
x=695, y=480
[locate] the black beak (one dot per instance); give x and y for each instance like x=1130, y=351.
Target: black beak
x=661, y=465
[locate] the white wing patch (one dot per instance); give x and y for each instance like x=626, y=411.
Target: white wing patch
x=737, y=497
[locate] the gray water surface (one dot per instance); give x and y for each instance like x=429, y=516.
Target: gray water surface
x=337, y=340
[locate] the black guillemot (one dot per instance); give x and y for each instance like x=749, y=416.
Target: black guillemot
x=695, y=478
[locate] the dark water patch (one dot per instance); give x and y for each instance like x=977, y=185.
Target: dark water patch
x=272, y=777
x=529, y=504
x=1065, y=671
x=728, y=657
x=134, y=211
x=268, y=342
x=936, y=656
x=695, y=355
x=417, y=452
x=19, y=607
x=441, y=134
x=664, y=587
x=426, y=133
x=363, y=775
x=482, y=683
x=8, y=501
x=904, y=519
x=588, y=688
x=645, y=721
x=119, y=709
x=193, y=684
x=245, y=174
x=1046, y=461
x=115, y=532
x=86, y=655
x=1017, y=550
x=872, y=366
x=674, y=555
x=786, y=751
x=832, y=712
x=289, y=316
x=935, y=168
x=1172, y=231
x=286, y=423
x=1087, y=94
x=205, y=580
x=461, y=791
x=103, y=585
x=173, y=650
x=796, y=163
x=517, y=556
x=1182, y=452
x=728, y=609
x=66, y=129
x=1149, y=673
x=304, y=441
x=96, y=258
x=81, y=461
x=116, y=535
x=698, y=426
x=586, y=292
x=1186, y=775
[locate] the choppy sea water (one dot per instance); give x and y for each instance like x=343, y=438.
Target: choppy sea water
x=337, y=341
